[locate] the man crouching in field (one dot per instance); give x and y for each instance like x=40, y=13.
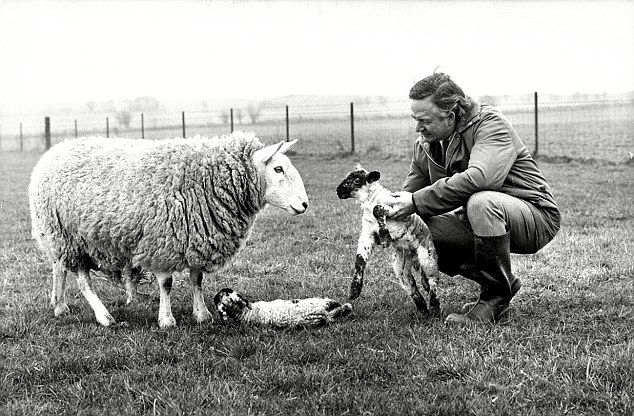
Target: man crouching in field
x=475, y=184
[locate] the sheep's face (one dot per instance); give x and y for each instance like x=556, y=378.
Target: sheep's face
x=230, y=304
x=355, y=185
x=284, y=186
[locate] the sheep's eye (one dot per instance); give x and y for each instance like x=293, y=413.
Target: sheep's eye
x=278, y=169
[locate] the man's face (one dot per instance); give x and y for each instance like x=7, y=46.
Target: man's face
x=431, y=126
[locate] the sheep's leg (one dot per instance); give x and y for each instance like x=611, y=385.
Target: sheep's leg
x=101, y=313
x=165, y=317
x=58, y=292
x=339, y=312
x=429, y=274
x=402, y=265
x=200, y=311
x=380, y=213
x=364, y=249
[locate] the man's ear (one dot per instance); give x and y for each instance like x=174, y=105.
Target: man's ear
x=373, y=176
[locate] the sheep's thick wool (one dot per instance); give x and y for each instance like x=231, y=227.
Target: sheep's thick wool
x=160, y=205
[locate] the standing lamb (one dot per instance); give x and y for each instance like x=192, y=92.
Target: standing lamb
x=279, y=313
x=164, y=206
x=412, y=242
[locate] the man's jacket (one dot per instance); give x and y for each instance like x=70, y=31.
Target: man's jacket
x=485, y=153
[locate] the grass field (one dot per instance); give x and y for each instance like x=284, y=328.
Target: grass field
x=568, y=350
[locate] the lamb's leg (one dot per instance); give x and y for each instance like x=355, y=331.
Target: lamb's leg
x=364, y=249
x=402, y=265
x=165, y=317
x=200, y=311
x=101, y=313
x=429, y=274
x=58, y=292
x=380, y=213
x=339, y=312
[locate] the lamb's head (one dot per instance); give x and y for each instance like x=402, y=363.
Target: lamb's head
x=284, y=185
x=230, y=304
x=356, y=183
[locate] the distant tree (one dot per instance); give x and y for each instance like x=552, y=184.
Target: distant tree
x=145, y=104
x=254, y=109
x=489, y=99
x=91, y=106
x=224, y=117
x=124, y=117
x=238, y=115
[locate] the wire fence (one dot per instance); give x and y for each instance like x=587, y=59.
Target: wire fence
x=601, y=129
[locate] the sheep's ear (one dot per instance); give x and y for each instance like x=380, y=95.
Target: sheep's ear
x=264, y=155
x=357, y=166
x=373, y=176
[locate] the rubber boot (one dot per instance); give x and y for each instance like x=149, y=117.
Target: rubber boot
x=493, y=270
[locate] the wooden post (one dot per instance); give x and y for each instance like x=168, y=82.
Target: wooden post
x=287, y=125
x=142, y=127
x=76, y=132
x=47, y=133
x=107, y=127
x=351, y=127
x=535, y=153
x=183, y=113
x=231, y=116
x=21, y=138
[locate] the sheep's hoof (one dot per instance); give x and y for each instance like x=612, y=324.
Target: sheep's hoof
x=203, y=316
x=106, y=319
x=167, y=322
x=61, y=309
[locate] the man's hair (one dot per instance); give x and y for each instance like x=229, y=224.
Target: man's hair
x=445, y=94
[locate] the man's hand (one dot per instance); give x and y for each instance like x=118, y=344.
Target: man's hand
x=402, y=205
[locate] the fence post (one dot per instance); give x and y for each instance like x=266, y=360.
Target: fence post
x=142, y=127
x=107, y=128
x=47, y=133
x=351, y=127
x=231, y=116
x=287, y=125
x=536, y=129
x=183, y=114
x=76, y=132
x=21, y=138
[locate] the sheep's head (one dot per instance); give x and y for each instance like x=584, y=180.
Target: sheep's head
x=355, y=185
x=230, y=304
x=284, y=185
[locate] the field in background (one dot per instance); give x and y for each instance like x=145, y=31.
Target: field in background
x=599, y=129
x=568, y=350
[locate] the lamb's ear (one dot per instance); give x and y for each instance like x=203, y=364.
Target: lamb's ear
x=357, y=166
x=265, y=154
x=246, y=300
x=373, y=176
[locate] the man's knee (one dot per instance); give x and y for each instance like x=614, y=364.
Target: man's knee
x=485, y=211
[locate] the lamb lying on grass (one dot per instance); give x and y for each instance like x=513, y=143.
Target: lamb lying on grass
x=279, y=313
x=121, y=205
x=412, y=242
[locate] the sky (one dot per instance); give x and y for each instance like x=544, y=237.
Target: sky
x=80, y=51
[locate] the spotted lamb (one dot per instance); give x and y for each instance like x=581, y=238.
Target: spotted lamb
x=411, y=240
x=279, y=313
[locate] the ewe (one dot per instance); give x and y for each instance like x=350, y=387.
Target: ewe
x=163, y=206
x=411, y=239
x=279, y=313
